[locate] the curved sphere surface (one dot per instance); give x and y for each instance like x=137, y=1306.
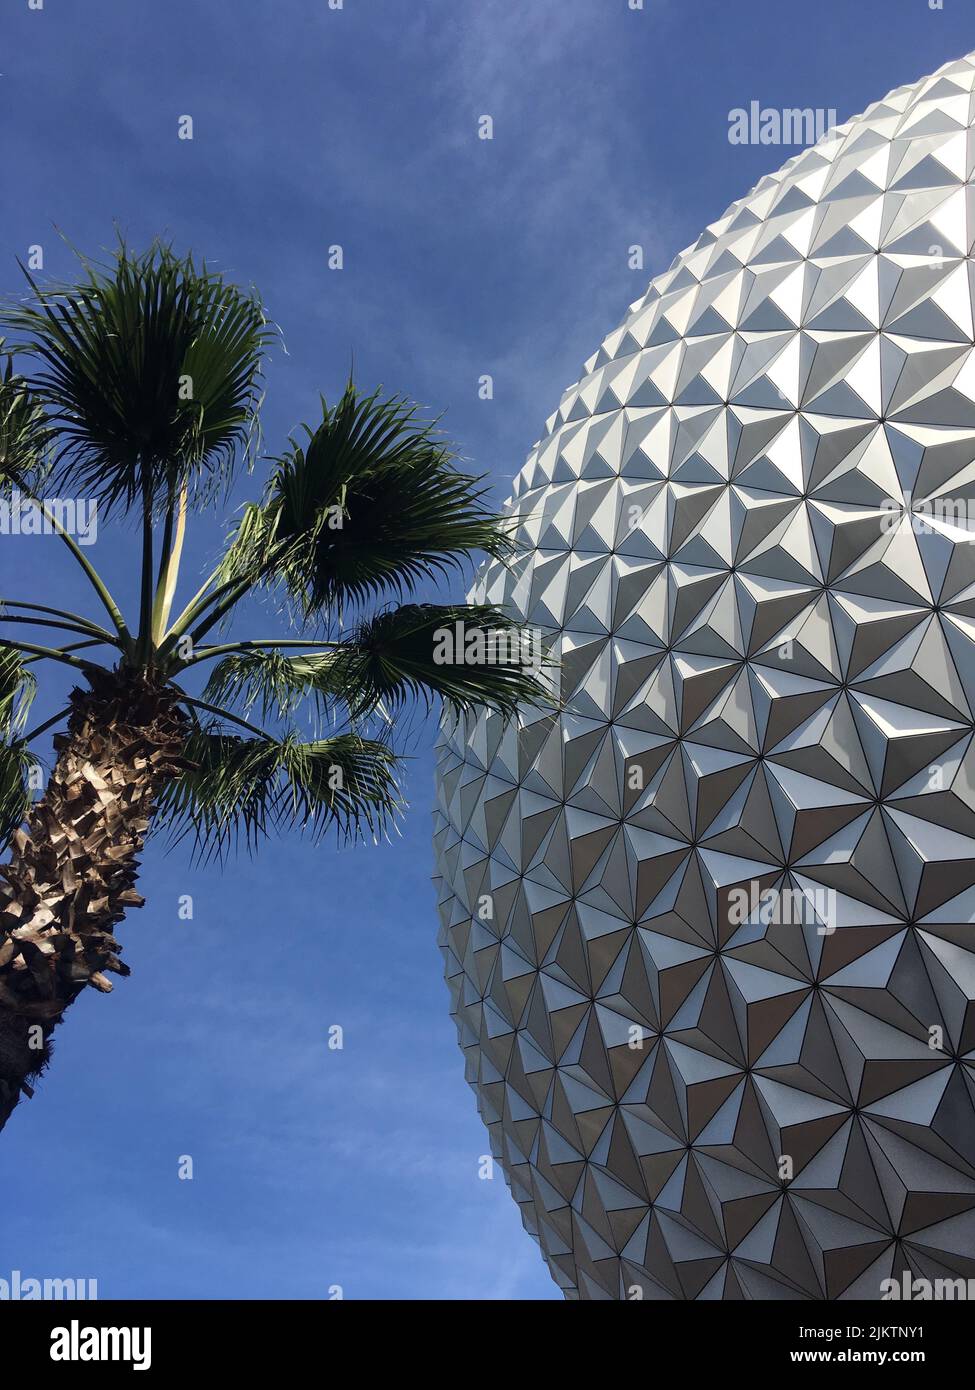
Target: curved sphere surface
x=708, y=932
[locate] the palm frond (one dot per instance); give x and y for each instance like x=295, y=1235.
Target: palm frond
x=470, y=655
x=24, y=433
x=16, y=765
x=149, y=371
x=252, y=550
x=243, y=789
x=275, y=683
x=17, y=688
x=372, y=503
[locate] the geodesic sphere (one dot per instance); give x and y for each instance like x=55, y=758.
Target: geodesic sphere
x=708, y=932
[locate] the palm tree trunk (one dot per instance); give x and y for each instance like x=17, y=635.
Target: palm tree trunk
x=72, y=872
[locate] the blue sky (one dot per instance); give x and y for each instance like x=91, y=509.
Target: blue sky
x=358, y=127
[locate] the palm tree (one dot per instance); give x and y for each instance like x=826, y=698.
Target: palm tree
x=143, y=393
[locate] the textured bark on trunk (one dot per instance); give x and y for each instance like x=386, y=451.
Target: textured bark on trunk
x=72, y=872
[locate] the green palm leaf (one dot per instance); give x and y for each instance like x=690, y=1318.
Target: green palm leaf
x=371, y=504
x=247, y=788
x=24, y=435
x=470, y=655
x=149, y=372
x=17, y=688
x=16, y=764
x=271, y=681
x=467, y=654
